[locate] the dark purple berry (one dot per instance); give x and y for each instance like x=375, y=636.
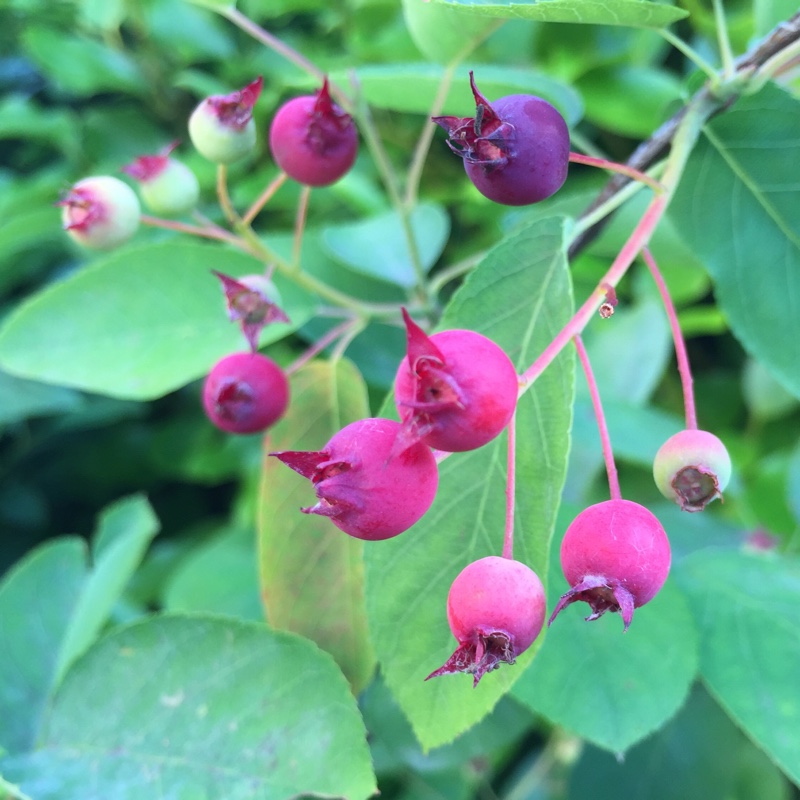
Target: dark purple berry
x=515, y=150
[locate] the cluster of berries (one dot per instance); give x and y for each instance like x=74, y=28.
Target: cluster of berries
x=311, y=139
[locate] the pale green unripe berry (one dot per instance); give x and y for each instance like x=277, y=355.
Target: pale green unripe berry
x=100, y=212
x=173, y=191
x=692, y=468
x=222, y=127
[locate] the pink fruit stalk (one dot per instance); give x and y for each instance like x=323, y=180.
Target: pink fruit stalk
x=100, y=212
x=692, y=468
x=515, y=150
x=365, y=492
x=253, y=301
x=245, y=393
x=495, y=609
x=455, y=390
x=615, y=556
x=313, y=140
x=222, y=127
x=167, y=186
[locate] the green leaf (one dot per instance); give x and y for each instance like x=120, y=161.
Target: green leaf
x=700, y=755
x=37, y=599
x=743, y=170
x=633, y=13
x=12, y=791
x=377, y=246
x=793, y=488
x=219, y=576
x=598, y=683
x=21, y=399
x=137, y=323
x=220, y=6
x=200, y=707
x=412, y=88
x=520, y=297
x=125, y=531
x=746, y=605
x=312, y=574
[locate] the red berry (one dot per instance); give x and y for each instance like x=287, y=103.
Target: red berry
x=615, y=556
x=245, y=393
x=455, y=390
x=692, y=468
x=515, y=150
x=100, y=212
x=313, y=140
x=222, y=127
x=495, y=609
x=362, y=488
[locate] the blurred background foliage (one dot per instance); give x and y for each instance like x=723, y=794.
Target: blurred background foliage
x=88, y=85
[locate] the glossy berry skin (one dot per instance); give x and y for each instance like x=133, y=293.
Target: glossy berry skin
x=362, y=488
x=222, y=127
x=313, y=140
x=615, y=556
x=100, y=212
x=455, y=390
x=692, y=468
x=495, y=609
x=245, y=393
x=515, y=150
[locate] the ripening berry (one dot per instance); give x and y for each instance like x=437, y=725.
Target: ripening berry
x=615, y=556
x=313, y=140
x=222, y=127
x=495, y=609
x=455, y=390
x=692, y=468
x=515, y=150
x=100, y=212
x=245, y=393
x=168, y=187
x=364, y=490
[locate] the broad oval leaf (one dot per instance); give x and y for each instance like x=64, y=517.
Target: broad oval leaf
x=137, y=323
x=377, y=246
x=312, y=574
x=736, y=206
x=633, y=13
x=519, y=296
x=200, y=707
x=745, y=605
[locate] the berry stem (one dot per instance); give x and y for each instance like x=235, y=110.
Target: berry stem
x=299, y=225
x=605, y=440
x=726, y=53
x=690, y=53
x=508, y=538
x=224, y=197
x=613, y=166
x=677, y=336
x=206, y=231
x=320, y=344
x=264, y=197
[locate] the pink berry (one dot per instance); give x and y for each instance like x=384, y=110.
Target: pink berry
x=222, y=127
x=362, y=488
x=515, y=150
x=615, y=556
x=495, y=609
x=167, y=186
x=692, y=468
x=100, y=212
x=245, y=393
x=313, y=140
x=455, y=390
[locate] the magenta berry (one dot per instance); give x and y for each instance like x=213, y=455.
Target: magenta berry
x=615, y=556
x=495, y=609
x=692, y=468
x=245, y=393
x=455, y=390
x=167, y=186
x=313, y=140
x=100, y=212
x=515, y=150
x=222, y=127
x=254, y=302
x=365, y=490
